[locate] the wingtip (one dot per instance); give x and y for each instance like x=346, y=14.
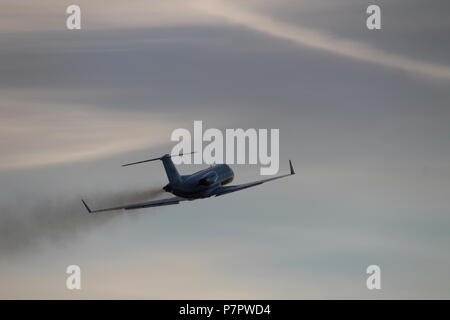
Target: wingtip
x=86, y=206
x=291, y=167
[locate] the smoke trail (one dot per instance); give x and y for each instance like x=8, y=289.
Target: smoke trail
x=28, y=223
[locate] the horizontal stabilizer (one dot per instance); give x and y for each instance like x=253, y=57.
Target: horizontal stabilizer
x=159, y=158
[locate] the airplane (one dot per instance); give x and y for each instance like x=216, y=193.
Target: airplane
x=199, y=185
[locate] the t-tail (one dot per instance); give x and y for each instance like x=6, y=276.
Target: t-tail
x=171, y=171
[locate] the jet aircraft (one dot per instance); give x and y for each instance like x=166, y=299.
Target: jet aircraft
x=206, y=183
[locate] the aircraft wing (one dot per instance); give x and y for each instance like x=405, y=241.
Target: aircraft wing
x=155, y=203
x=238, y=187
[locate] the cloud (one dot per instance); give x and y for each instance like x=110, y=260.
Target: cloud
x=142, y=14
x=35, y=134
x=321, y=40
x=50, y=15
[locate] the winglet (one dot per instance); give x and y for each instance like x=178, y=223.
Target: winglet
x=292, y=168
x=87, y=207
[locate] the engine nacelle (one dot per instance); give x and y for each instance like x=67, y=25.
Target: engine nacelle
x=209, y=179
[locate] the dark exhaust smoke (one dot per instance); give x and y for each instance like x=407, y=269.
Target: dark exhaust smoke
x=27, y=223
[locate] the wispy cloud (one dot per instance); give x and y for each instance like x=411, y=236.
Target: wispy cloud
x=201, y=12
x=34, y=134
x=321, y=40
x=50, y=15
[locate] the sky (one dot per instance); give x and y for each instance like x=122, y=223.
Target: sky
x=363, y=114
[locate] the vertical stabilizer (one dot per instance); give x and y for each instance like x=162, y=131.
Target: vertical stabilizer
x=171, y=170
x=169, y=166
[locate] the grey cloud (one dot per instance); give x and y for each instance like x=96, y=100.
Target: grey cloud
x=370, y=146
